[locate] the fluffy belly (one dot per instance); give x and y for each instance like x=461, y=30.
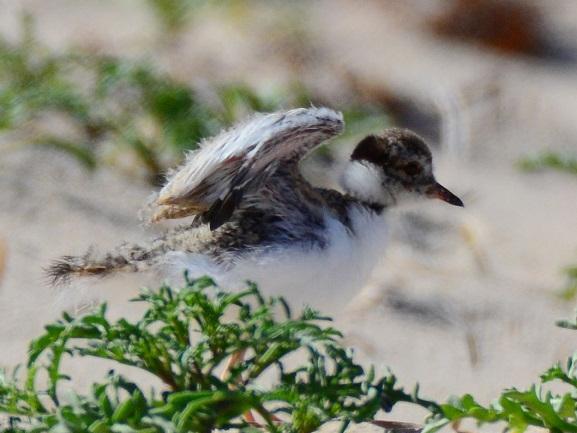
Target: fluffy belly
x=314, y=276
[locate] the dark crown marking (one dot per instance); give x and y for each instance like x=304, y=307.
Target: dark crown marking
x=394, y=143
x=370, y=149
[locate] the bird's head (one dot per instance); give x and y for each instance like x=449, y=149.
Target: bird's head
x=394, y=167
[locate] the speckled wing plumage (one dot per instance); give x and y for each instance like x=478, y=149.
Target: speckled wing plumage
x=216, y=178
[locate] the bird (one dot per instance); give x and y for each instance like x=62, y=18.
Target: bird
x=255, y=217
x=251, y=214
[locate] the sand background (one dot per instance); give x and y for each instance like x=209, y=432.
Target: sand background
x=465, y=300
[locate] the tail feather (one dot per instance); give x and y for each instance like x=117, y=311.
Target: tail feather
x=131, y=259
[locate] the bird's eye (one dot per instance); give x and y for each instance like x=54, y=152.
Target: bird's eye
x=412, y=169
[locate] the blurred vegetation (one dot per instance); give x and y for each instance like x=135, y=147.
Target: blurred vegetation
x=183, y=339
x=173, y=15
x=550, y=160
x=125, y=113
x=569, y=292
x=565, y=164
x=98, y=108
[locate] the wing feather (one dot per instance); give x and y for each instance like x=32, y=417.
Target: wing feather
x=217, y=175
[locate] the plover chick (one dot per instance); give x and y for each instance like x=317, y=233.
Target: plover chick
x=256, y=218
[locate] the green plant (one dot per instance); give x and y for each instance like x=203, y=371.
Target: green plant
x=518, y=410
x=183, y=338
x=555, y=411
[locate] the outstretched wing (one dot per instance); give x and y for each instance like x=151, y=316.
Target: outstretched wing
x=215, y=178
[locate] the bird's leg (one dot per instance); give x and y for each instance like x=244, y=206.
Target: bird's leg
x=235, y=359
x=249, y=417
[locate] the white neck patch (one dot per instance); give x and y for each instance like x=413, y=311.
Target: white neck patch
x=365, y=181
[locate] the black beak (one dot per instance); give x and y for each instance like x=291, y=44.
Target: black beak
x=442, y=193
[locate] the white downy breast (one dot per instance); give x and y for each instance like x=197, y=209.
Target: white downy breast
x=313, y=276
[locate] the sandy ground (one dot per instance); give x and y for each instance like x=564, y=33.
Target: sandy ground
x=464, y=300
